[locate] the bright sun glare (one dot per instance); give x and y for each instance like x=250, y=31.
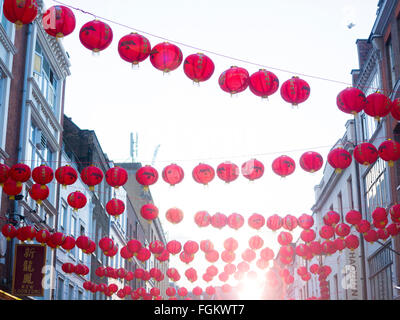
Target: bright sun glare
x=251, y=289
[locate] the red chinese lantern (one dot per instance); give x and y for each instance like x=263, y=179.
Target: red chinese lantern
x=228, y=256
x=395, y=109
x=248, y=255
x=4, y=173
x=383, y=234
x=143, y=254
x=234, y=80
x=223, y=276
x=212, y=270
x=170, y=291
x=231, y=244
x=87, y=285
x=9, y=231
x=353, y=217
x=363, y=226
x=311, y=161
x=395, y=211
x=198, y=67
x=106, y=244
x=256, y=221
x=243, y=266
x=57, y=239
x=365, y=153
x=174, y=247
x=39, y=193
x=125, y=253
x=308, y=235
x=342, y=230
x=134, y=246
x=235, y=221
x=191, y=274
x=166, y=57
x=283, y=166
x=274, y=222
x=134, y=48
x=115, y=207
x=329, y=247
x=20, y=12
x=185, y=257
x=203, y=173
x=380, y=224
x=174, y=215
x=197, y=291
x=326, y=232
x=156, y=247
x=230, y=268
x=191, y=247
x=352, y=242
x=206, y=246
x=173, y=174
x=11, y=188
x=43, y=174
x=389, y=150
x=267, y=253
x=351, y=100
x=228, y=171
x=393, y=229
x=377, y=105
x=331, y=218
x=83, y=243
x=263, y=83
x=68, y=268
x=91, y=176
x=96, y=35
x=371, y=236
x=77, y=200
x=306, y=277
x=116, y=177
x=147, y=176
x=20, y=173
x=301, y=271
x=252, y=169
x=202, y=219
x=256, y=242
x=314, y=268
x=379, y=214
x=26, y=233
x=69, y=243
x=305, y=221
x=219, y=220
x=210, y=290
x=262, y=264
x=58, y=21
x=295, y=90
x=339, y=159
x=66, y=175
x=339, y=244
x=316, y=248
x=155, y=291
x=149, y=212
x=289, y=222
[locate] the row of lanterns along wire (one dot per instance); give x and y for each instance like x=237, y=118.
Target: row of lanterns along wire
x=334, y=236
x=11, y=179
x=59, y=21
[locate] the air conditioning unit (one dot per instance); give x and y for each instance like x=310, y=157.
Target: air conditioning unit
x=40, y=140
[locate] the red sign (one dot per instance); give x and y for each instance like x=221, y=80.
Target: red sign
x=29, y=260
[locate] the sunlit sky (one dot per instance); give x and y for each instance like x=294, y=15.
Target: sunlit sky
x=194, y=124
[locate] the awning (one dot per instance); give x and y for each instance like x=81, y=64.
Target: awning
x=6, y=296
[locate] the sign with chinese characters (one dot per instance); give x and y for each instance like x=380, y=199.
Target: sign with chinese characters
x=29, y=260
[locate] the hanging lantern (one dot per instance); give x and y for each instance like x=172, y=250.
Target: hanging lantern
x=353, y=217
x=116, y=177
x=308, y=235
x=352, y=242
x=326, y=232
x=302, y=250
x=331, y=218
x=83, y=243
x=203, y=173
x=377, y=105
x=156, y=247
x=219, y=220
x=329, y=247
x=20, y=12
x=301, y=271
x=143, y=254
x=256, y=242
x=185, y=257
x=371, y=236
x=212, y=270
x=43, y=174
x=39, y=193
x=228, y=171
x=26, y=233
x=256, y=221
x=351, y=100
x=283, y=166
x=263, y=83
x=316, y=248
x=197, y=291
x=210, y=290
x=182, y=292
x=190, y=247
x=68, y=268
x=289, y=222
x=365, y=153
x=274, y=222
x=173, y=174
x=389, y=150
x=11, y=188
x=58, y=21
x=174, y=247
x=383, y=234
x=125, y=253
x=57, y=238
x=4, y=173
x=340, y=244
x=134, y=246
x=20, y=173
x=77, y=200
x=379, y=214
x=134, y=48
x=342, y=230
x=202, y=219
x=295, y=91
x=66, y=175
x=249, y=255
x=198, y=67
x=395, y=211
x=234, y=80
x=170, y=291
x=363, y=226
x=228, y=256
x=69, y=243
x=393, y=229
x=395, y=109
x=147, y=176
x=339, y=159
x=252, y=169
x=166, y=57
x=212, y=256
x=235, y=221
x=174, y=215
x=149, y=212
x=223, y=276
x=267, y=253
x=206, y=246
x=96, y=35
x=311, y=161
x=305, y=221
x=9, y=231
x=231, y=244
x=243, y=267
x=91, y=176
x=380, y=224
x=106, y=244
x=285, y=238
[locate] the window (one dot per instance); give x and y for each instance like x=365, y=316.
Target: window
x=380, y=270
x=340, y=205
x=376, y=189
x=81, y=233
x=335, y=279
x=45, y=76
x=390, y=59
x=60, y=289
x=72, y=232
x=70, y=292
x=63, y=216
x=350, y=192
x=80, y=295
